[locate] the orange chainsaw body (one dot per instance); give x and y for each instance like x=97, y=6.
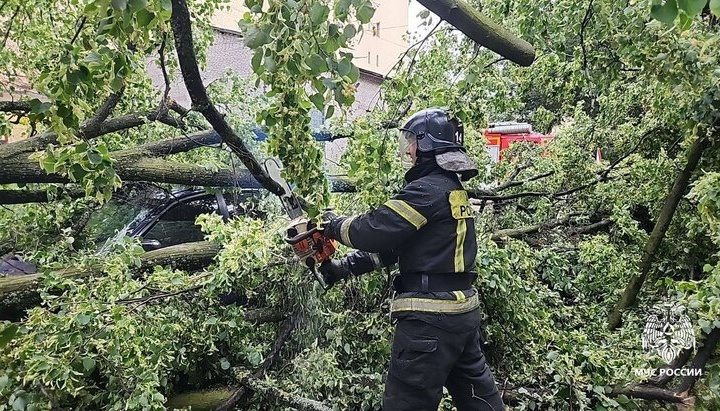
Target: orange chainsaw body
x=309, y=243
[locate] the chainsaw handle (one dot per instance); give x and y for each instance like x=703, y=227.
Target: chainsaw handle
x=302, y=236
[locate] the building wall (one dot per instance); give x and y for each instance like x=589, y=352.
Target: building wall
x=229, y=53
x=382, y=42
x=384, y=38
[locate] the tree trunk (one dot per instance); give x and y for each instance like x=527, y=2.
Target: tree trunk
x=663, y=222
x=210, y=399
x=482, y=30
x=18, y=293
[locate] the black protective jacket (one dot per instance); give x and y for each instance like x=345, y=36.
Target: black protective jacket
x=428, y=227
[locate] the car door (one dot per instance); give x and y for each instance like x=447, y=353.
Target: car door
x=175, y=224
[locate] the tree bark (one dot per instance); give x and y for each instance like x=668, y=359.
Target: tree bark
x=206, y=400
x=184, y=45
x=482, y=30
x=35, y=196
x=667, y=212
x=18, y=293
x=173, y=145
x=129, y=166
x=88, y=131
x=649, y=392
x=700, y=360
x=519, y=232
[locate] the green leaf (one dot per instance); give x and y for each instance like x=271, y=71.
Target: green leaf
x=256, y=59
x=19, y=404
x=344, y=67
x=224, y=363
x=94, y=157
x=665, y=13
x=317, y=64
x=424, y=14
x=319, y=13
x=342, y=7
x=269, y=64
x=144, y=17
x=136, y=5
x=117, y=83
x=255, y=358
x=82, y=319
x=354, y=74
x=349, y=31
x=318, y=100
x=715, y=7
x=330, y=111
x=691, y=7
x=255, y=38
x=7, y=334
x=88, y=363
x=365, y=12
x=119, y=4
x=684, y=22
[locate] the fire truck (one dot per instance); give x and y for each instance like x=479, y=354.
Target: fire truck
x=500, y=136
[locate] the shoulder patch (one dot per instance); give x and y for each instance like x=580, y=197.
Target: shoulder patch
x=460, y=205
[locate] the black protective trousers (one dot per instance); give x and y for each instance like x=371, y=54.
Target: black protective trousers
x=434, y=350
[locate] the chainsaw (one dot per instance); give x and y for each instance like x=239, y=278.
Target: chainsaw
x=308, y=242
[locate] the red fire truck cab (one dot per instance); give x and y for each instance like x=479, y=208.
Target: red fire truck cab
x=500, y=136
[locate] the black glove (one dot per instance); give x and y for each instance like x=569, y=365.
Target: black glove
x=334, y=271
x=327, y=216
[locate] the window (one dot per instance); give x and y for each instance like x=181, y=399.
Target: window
x=178, y=226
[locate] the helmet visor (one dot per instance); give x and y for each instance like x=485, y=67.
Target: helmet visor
x=407, y=144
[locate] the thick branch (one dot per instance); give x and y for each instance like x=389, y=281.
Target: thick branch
x=521, y=231
x=649, y=392
x=482, y=30
x=663, y=222
x=129, y=166
x=104, y=111
x=13, y=106
x=18, y=293
x=173, y=145
x=498, y=198
x=35, y=196
x=185, y=47
x=89, y=131
x=700, y=360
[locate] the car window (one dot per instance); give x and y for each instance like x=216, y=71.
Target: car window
x=177, y=225
x=113, y=219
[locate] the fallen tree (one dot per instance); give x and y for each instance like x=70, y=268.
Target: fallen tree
x=21, y=292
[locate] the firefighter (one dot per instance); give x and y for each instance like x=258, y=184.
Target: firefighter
x=428, y=228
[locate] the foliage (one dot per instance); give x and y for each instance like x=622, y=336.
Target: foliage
x=608, y=75
x=297, y=45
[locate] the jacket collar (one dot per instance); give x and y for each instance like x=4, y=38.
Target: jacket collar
x=421, y=170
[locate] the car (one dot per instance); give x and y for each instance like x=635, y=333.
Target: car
x=158, y=217
x=162, y=218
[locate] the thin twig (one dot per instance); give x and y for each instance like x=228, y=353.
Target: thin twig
x=166, y=78
x=583, y=26
x=10, y=24
x=79, y=29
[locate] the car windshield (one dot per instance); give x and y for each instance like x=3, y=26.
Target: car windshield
x=119, y=216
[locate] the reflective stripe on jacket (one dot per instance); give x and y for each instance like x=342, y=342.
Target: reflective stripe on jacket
x=428, y=227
